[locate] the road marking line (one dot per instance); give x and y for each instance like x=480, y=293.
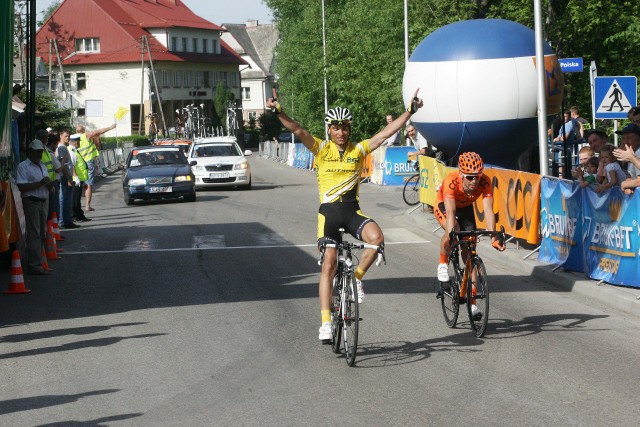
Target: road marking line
x=312, y=245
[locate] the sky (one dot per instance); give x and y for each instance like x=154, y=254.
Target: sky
x=216, y=11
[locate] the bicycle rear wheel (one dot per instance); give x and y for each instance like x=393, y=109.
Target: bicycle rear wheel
x=450, y=298
x=481, y=297
x=336, y=315
x=350, y=318
x=411, y=191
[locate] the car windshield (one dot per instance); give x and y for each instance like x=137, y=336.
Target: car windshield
x=216, y=150
x=157, y=157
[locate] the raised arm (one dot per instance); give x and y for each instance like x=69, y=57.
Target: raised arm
x=290, y=124
x=99, y=132
x=393, y=127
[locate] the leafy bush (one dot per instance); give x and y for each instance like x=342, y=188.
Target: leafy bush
x=110, y=142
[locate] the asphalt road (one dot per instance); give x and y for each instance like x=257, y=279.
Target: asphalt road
x=206, y=313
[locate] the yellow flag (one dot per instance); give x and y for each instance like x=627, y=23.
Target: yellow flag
x=119, y=115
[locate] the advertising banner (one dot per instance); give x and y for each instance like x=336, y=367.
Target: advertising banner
x=516, y=203
x=561, y=221
x=6, y=76
x=611, y=237
x=396, y=170
x=378, y=165
x=432, y=173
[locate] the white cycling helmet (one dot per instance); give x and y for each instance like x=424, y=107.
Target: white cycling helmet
x=338, y=116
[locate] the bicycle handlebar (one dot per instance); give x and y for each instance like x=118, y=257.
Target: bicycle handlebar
x=499, y=234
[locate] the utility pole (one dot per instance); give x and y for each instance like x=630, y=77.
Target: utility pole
x=155, y=88
x=140, y=122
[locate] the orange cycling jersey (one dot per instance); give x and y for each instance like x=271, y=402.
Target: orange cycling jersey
x=452, y=188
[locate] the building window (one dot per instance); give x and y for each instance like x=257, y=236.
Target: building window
x=224, y=78
x=205, y=79
x=174, y=44
x=234, y=79
x=87, y=45
x=252, y=115
x=81, y=81
x=177, y=79
x=166, y=78
x=195, y=44
x=198, y=79
x=246, y=93
x=187, y=79
x=214, y=43
x=205, y=46
x=80, y=112
x=54, y=81
x=185, y=41
x=67, y=81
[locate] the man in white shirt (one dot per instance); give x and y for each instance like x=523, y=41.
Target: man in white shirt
x=422, y=146
x=35, y=187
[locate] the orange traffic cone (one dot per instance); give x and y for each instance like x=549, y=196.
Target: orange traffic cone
x=56, y=228
x=50, y=244
x=16, y=286
x=45, y=264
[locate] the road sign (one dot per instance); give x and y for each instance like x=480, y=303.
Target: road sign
x=614, y=96
x=571, y=65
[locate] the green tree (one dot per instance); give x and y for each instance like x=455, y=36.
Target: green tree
x=221, y=101
x=48, y=111
x=270, y=126
x=47, y=12
x=365, y=48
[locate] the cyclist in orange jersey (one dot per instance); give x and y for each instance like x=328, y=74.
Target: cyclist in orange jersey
x=454, y=206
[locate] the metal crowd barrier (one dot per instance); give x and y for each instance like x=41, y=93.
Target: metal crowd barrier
x=112, y=159
x=277, y=151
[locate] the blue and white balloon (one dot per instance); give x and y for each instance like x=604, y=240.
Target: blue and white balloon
x=478, y=80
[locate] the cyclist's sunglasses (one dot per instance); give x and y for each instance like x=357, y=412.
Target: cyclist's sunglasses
x=339, y=122
x=471, y=177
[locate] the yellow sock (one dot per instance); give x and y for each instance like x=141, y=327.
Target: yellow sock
x=326, y=315
x=360, y=273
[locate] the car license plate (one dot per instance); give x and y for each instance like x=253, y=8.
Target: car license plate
x=219, y=175
x=160, y=189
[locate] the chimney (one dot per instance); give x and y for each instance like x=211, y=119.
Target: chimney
x=251, y=23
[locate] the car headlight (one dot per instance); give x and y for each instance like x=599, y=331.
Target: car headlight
x=137, y=181
x=197, y=168
x=243, y=165
x=183, y=178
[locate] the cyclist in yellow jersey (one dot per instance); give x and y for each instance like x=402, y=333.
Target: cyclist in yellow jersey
x=339, y=163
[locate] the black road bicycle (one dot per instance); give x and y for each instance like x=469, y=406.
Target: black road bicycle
x=345, y=311
x=411, y=190
x=468, y=283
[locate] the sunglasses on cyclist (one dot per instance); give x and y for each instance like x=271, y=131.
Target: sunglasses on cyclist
x=339, y=122
x=471, y=177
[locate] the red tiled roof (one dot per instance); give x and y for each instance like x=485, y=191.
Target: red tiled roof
x=120, y=25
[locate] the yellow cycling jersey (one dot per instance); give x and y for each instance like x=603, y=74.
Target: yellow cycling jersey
x=339, y=173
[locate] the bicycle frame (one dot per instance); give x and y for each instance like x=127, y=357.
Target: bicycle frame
x=344, y=300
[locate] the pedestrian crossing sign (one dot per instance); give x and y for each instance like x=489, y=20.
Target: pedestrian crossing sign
x=614, y=96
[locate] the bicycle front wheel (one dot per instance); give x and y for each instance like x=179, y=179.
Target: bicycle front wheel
x=411, y=191
x=450, y=297
x=336, y=314
x=350, y=318
x=478, y=295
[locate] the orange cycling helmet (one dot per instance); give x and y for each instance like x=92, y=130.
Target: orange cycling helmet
x=470, y=163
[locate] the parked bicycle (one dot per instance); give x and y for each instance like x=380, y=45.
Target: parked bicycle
x=468, y=284
x=411, y=191
x=345, y=311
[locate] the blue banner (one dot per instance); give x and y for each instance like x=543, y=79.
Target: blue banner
x=301, y=156
x=561, y=222
x=396, y=169
x=611, y=237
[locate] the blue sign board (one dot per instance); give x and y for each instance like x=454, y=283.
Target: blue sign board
x=571, y=65
x=614, y=96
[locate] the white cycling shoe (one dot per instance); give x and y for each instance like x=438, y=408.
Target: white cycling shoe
x=325, y=332
x=443, y=272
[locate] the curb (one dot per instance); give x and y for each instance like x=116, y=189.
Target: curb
x=623, y=299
